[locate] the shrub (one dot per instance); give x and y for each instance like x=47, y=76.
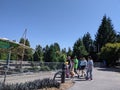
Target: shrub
x=37, y=84
x=111, y=53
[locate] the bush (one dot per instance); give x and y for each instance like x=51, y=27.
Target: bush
x=37, y=84
x=111, y=53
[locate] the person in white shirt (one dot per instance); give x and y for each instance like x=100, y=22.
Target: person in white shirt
x=83, y=65
x=90, y=65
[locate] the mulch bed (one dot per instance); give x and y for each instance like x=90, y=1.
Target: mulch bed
x=63, y=86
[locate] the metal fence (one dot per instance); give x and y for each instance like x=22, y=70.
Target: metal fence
x=15, y=67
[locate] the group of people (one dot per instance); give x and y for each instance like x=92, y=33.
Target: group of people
x=81, y=67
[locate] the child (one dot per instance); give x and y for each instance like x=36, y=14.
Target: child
x=67, y=69
x=72, y=73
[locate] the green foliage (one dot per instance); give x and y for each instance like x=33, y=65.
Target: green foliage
x=62, y=57
x=52, y=53
x=87, y=41
x=105, y=34
x=111, y=53
x=79, y=49
x=46, y=53
x=69, y=53
x=27, y=52
x=3, y=54
x=118, y=37
x=38, y=55
x=37, y=84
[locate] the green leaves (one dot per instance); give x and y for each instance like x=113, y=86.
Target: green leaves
x=79, y=49
x=111, y=53
x=105, y=34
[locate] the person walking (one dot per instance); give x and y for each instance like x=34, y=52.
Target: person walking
x=72, y=73
x=90, y=65
x=79, y=67
x=76, y=65
x=69, y=65
x=83, y=65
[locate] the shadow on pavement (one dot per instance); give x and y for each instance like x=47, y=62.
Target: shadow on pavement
x=109, y=69
x=80, y=80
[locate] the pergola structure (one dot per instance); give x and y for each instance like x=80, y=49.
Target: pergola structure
x=9, y=45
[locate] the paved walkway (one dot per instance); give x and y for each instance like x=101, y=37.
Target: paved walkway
x=104, y=79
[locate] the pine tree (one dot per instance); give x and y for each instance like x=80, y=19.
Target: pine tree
x=105, y=34
x=69, y=53
x=79, y=49
x=38, y=55
x=87, y=41
x=51, y=54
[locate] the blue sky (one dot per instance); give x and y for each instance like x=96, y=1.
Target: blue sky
x=50, y=21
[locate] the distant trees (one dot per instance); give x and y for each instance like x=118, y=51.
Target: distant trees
x=69, y=53
x=27, y=52
x=50, y=53
x=79, y=48
x=106, y=46
x=38, y=54
x=88, y=42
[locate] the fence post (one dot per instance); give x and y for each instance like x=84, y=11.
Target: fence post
x=63, y=73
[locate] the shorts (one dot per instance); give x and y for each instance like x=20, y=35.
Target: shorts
x=82, y=67
x=72, y=73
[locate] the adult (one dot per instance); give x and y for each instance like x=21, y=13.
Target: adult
x=90, y=65
x=83, y=65
x=76, y=65
x=72, y=73
x=68, y=66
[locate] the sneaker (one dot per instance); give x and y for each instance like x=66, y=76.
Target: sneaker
x=81, y=75
x=84, y=75
x=91, y=79
x=87, y=78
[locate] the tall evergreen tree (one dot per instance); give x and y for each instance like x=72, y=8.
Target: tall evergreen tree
x=57, y=47
x=51, y=54
x=79, y=48
x=87, y=41
x=69, y=53
x=105, y=34
x=46, y=54
x=64, y=50
x=38, y=55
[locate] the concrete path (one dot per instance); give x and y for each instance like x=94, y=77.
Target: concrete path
x=104, y=79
